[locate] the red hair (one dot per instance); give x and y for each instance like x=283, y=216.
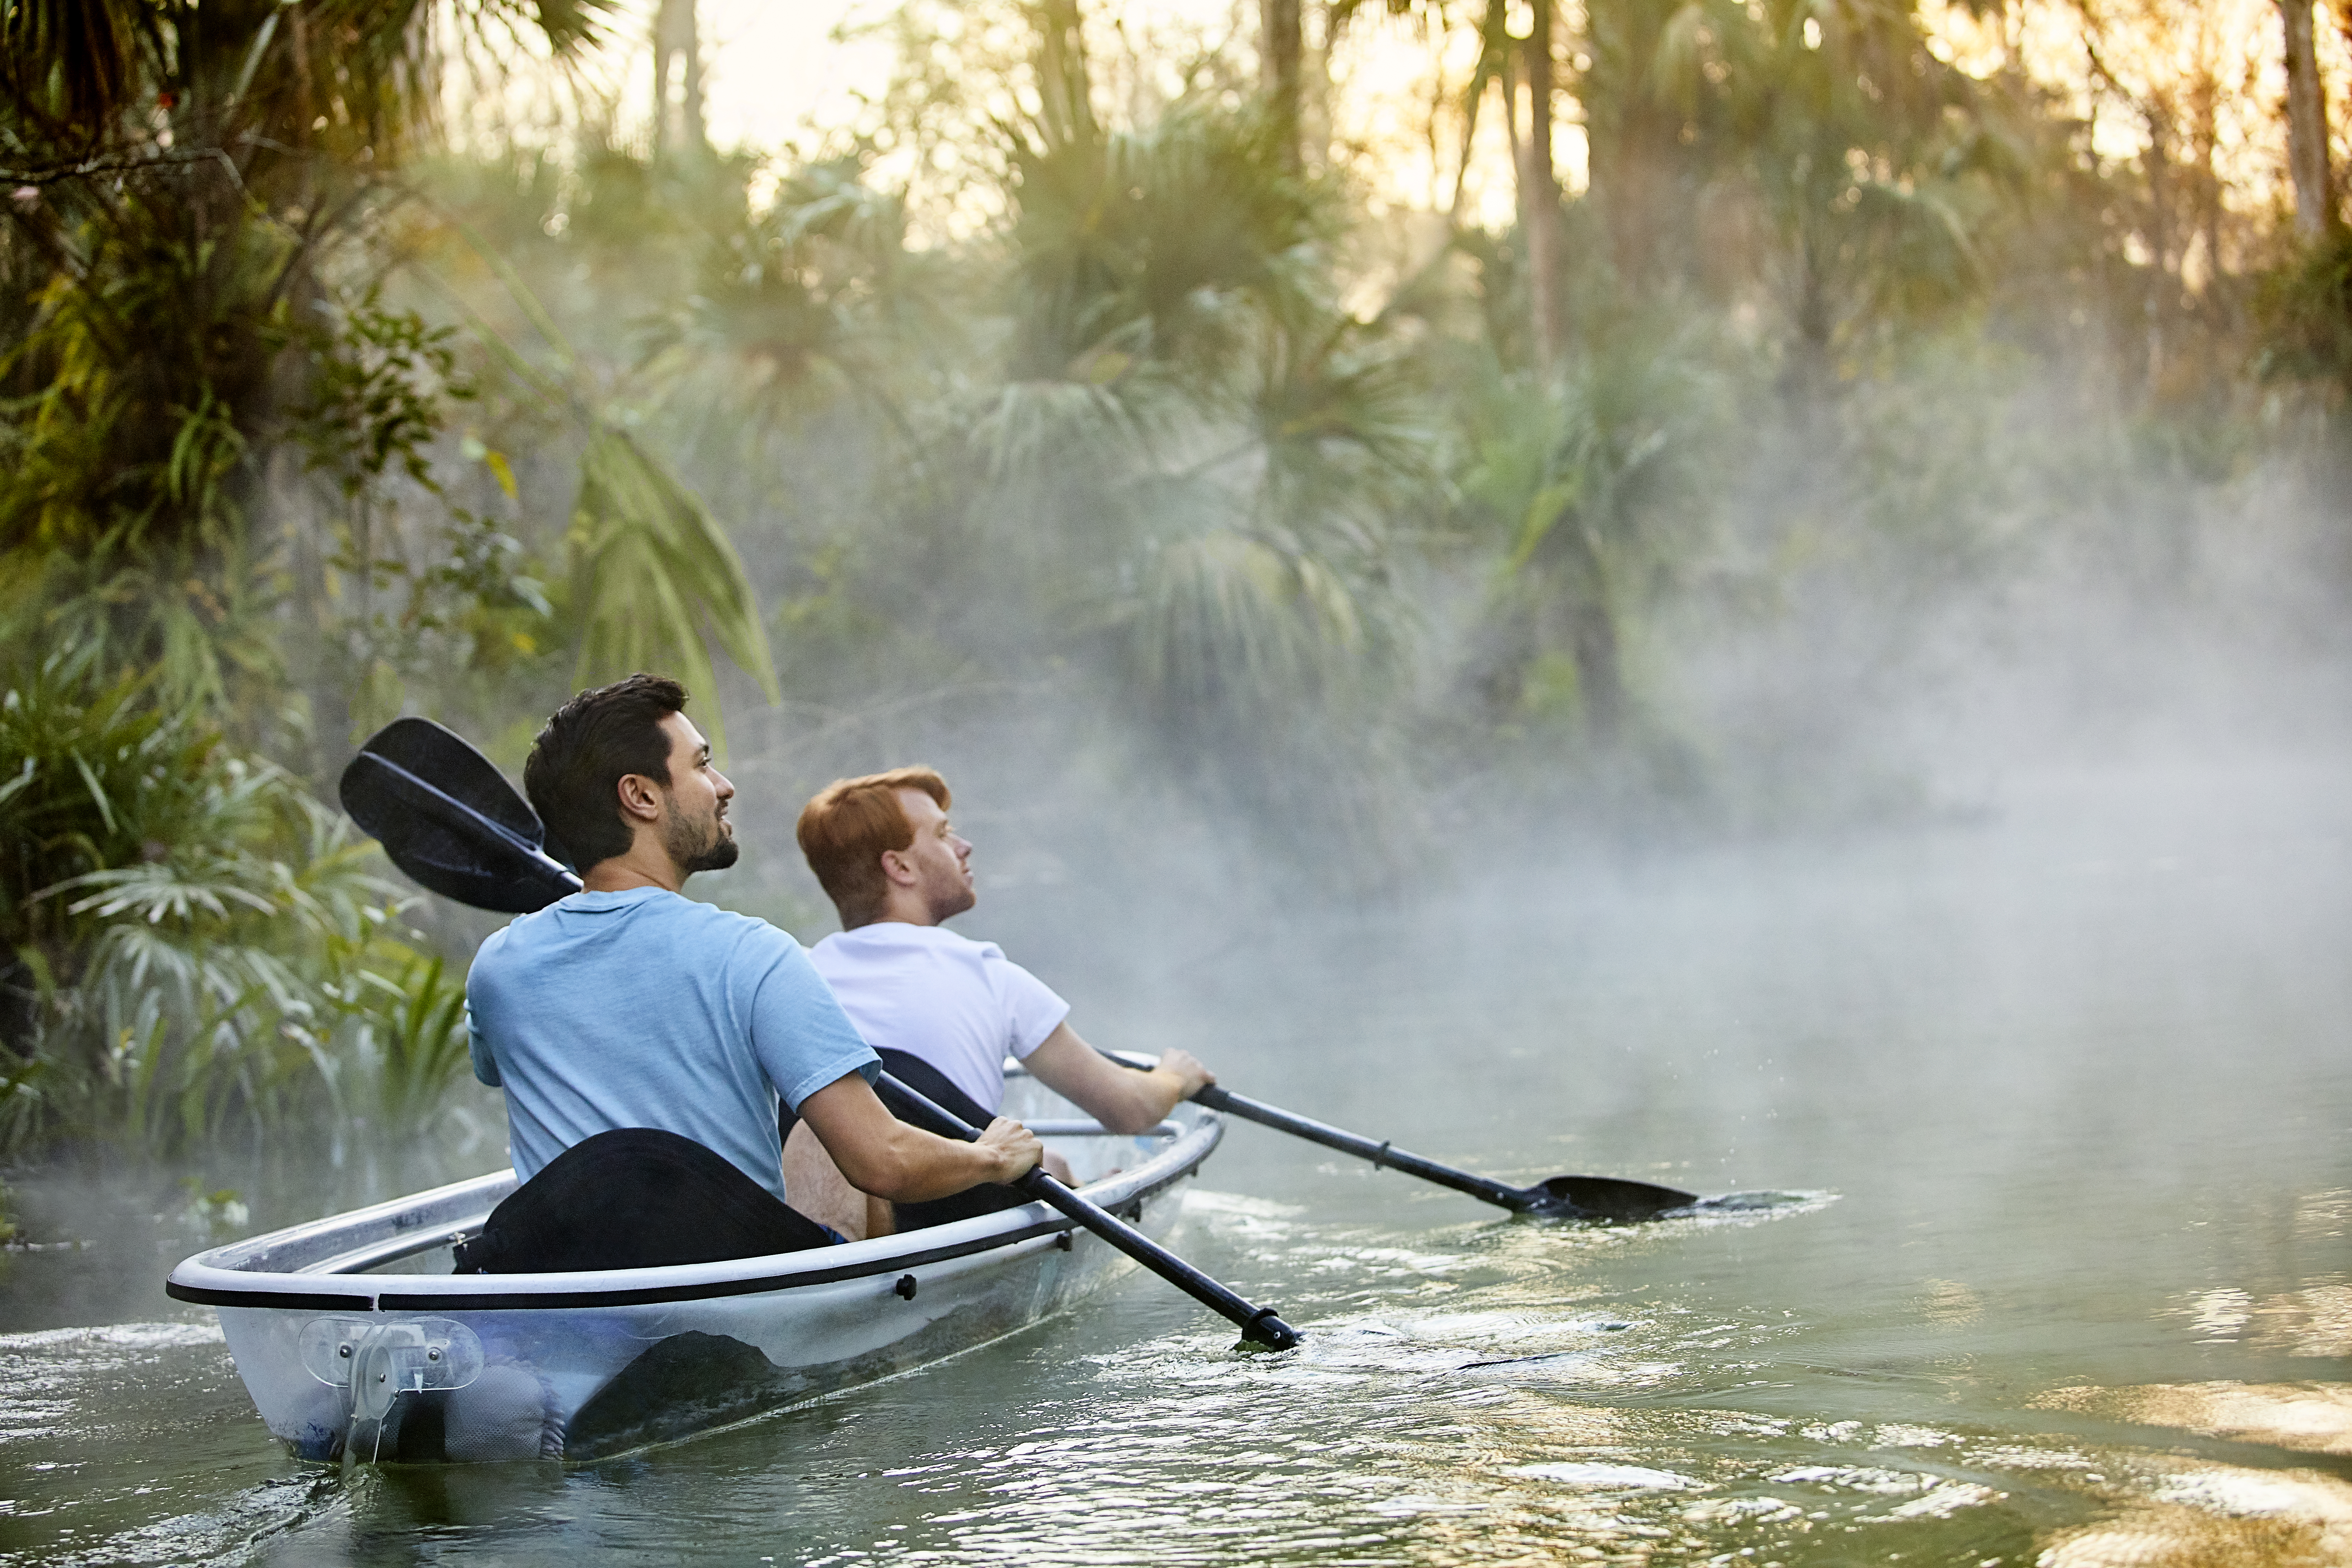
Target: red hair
x=849, y=823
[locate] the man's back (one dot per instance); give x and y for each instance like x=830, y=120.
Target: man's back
x=961, y=1005
x=643, y=1008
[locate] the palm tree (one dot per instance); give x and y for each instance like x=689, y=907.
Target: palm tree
x=1596, y=481
x=1221, y=450
x=1872, y=160
x=201, y=185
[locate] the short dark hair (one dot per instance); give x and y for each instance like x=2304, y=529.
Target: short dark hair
x=578, y=762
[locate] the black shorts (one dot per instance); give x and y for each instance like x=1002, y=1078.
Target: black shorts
x=635, y=1198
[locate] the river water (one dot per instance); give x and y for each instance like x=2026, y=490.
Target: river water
x=2064, y=1094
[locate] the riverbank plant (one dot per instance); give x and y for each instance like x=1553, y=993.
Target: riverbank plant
x=198, y=950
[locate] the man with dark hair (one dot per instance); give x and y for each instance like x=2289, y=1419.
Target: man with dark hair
x=643, y=1040
x=944, y=1011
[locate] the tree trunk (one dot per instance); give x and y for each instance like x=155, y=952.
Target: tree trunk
x=2306, y=124
x=677, y=39
x=1539, y=193
x=1064, y=85
x=1281, y=47
x=1599, y=674
x=1807, y=376
x=1592, y=641
x=2164, y=277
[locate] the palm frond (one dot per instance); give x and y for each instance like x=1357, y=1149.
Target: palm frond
x=653, y=571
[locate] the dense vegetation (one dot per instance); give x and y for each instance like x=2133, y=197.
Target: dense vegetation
x=1139, y=435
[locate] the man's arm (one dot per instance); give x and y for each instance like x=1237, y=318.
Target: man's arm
x=880, y=1154
x=1120, y=1098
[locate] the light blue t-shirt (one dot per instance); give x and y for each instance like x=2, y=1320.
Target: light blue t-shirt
x=646, y=1009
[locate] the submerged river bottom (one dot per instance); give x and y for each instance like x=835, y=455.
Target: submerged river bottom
x=2061, y=1102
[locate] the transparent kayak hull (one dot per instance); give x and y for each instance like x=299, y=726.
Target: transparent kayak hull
x=355, y=1340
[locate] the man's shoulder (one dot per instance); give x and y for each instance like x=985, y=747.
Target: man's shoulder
x=886, y=939
x=738, y=936
x=492, y=955
x=668, y=921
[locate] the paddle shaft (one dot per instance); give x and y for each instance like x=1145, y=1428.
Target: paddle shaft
x=1485, y=1189
x=1609, y=1198
x=1258, y=1323
x=1519, y=1200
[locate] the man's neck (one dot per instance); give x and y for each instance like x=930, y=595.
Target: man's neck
x=904, y=910
x=644, y=866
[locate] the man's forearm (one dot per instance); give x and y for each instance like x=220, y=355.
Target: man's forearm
x=1156, y=1094
x=882, y=1156
x=1121, y=1098
x=918, y=1166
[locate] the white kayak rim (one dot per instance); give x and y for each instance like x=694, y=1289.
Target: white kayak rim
x=327, y=1258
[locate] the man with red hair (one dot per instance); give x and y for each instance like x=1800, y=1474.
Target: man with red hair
x=942, y=1010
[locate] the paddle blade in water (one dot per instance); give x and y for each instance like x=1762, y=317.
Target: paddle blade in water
x=450, y=820
x=1612, y=1199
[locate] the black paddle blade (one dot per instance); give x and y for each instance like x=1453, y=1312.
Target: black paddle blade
x=1610, y=1199
x=449, y=819
x=450, y=763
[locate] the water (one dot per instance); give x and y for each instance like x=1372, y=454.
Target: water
x=2066, y=1091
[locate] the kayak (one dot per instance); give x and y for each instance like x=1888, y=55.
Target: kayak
x=356, y=1340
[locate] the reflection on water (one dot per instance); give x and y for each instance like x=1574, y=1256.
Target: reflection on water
x=2315, y=1418
x=2064, y=1279
x=2218, y=1517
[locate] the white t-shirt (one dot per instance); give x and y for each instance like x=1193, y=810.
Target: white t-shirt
x=959, y=1004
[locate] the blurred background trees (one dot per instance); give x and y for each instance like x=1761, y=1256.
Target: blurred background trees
x=1093, y=385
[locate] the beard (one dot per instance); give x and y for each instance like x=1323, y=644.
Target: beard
x=948, y=899
x=700, y=846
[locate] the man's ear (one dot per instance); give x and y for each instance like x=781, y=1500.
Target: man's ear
x=640, y=798
x=896, y=867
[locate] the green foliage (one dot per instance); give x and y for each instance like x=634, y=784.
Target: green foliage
x=95, y=776
x=414, y=1039
x=377, y=395
x=1146, y=239
x=195, y=944
x=243, y=515
x=651, y=569
x=391, y=599
x=1595, y=486
x=195, y=184
x=2304, y=308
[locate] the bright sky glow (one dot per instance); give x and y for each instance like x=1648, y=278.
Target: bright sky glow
x=777, y=77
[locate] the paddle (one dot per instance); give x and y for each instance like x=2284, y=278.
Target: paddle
x=1608, y=1198
x=1258, y=1323
x=449, y=819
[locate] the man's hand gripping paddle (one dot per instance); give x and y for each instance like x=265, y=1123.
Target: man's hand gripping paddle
x=1258, y=1323
x=448, y=818
x=1610, y=1199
